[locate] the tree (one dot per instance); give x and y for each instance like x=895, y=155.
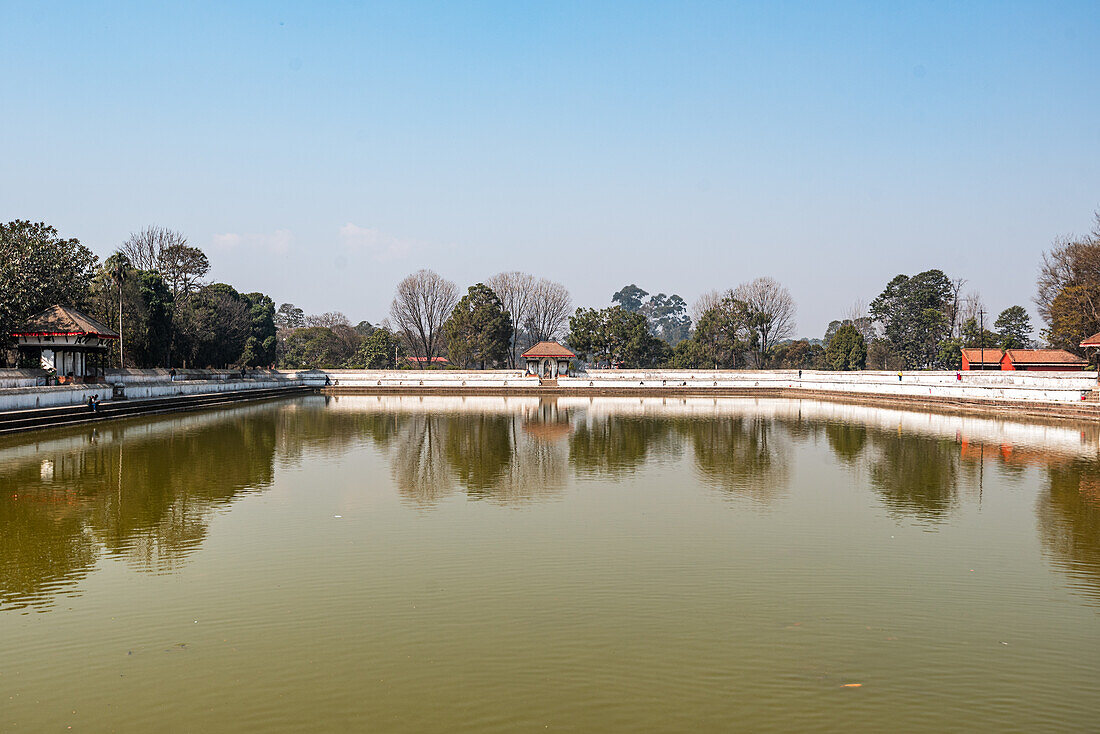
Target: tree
x=687, y=355
x=290, y=316
x=1014, y=326
x=770, y=310
x=118, y=269
x=798, y=355
x=973, y=335
x=882, y=356
x=617, y=336
x=516, y=291
x=668, y=317
x=1069, y=290
x=145, y=249
x=548, y=311
x=214, y=327
x=314, y=347
x=259, y=347
x=380, y=350
x=479, y=329
x=329, y=319
x=847, y=350
x=38, y=269
x=724, y=333
x=142, y=301
x=166, y=251
x=422, y=304
x=630, y=298
x=914, y=312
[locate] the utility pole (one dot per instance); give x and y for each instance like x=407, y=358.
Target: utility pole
x=981, y=332
x=121, y=364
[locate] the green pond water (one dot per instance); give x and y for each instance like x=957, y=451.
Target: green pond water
x=498, y=565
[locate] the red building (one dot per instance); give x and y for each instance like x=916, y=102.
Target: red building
x=982, y=359
x=1048, y=360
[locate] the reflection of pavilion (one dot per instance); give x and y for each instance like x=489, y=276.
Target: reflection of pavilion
x=547, y=422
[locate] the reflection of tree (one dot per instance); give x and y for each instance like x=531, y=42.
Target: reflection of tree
x=1069, y=522
x=142, y=491
x=307, y=426
x=479, y=448
x=488, y=455
x=846, y=440
x=44, y=545
x=914, y=474
x=617, y=446
x=418, y=460
x=742, y=456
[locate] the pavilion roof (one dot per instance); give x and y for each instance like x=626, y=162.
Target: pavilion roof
x=58, y=320
x=548, y=349
x=1092, y=341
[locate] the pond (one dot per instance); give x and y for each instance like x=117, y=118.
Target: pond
x=512, y=564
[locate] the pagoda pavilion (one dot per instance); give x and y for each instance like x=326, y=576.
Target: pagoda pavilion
x=66, y=341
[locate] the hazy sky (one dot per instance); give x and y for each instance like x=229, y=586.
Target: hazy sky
x=321, y=151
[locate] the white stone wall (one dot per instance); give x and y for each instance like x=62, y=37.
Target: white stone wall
x=21, y=378
x=456, y=379
x=1055, y=387
x=23, y=398
x=145, y=391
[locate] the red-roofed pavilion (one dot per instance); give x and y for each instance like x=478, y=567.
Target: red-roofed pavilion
x=548, y=360
x=67, y=341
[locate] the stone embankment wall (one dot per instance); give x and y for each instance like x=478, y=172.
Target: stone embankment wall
x=992, y=387
x=1046, y=387
x=19, y=391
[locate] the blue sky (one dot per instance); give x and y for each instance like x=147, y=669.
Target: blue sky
x=321, y=151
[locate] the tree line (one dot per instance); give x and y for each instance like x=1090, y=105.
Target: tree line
x=153, y=289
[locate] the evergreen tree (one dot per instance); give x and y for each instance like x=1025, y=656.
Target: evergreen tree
x=847, y=350
x=1014, y=328
x=479, y=329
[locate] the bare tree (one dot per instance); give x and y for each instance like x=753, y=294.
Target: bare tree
x=166, y=251
x=515, y=291
x=860, y=317
x=145, y=249
x=970, y=307
x=707, y=302
x=329, y=319
x=422, y=303
x=548, y=311
x=771, y=313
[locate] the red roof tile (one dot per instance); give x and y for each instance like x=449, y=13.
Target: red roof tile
x=65, y=321
x=974, y=355
x=548, y=349
x=1044, y=356
x=1092, y=341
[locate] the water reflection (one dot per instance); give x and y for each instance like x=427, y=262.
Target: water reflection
x=144, y=491
x=140, y=491
x=1069, y=522
x=743, y=456
x=914, y=475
